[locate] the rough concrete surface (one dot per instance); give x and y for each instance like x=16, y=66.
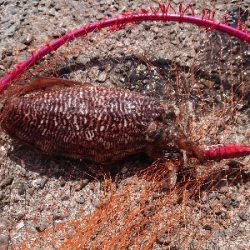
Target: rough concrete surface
x=36, y=191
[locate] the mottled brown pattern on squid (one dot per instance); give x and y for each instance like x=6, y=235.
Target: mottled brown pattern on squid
x=95, y=123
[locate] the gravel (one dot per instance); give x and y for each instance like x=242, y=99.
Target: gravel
x=36, y=191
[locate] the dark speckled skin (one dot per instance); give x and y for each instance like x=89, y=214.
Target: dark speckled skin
x=95, y=123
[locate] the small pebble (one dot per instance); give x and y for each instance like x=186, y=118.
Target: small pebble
x=6, y=182
x=226, y=203
x=27, y=40
x=39, y=183
x=102, y=77
x=65, y=198
x=207, y=227
x=20, y=225
x=41, y=226
x=19, y=215
x=31, y=191
x=243, y=215
x=235, y=203
x=59, y=215
x=80, y=199
x=162, y=240
x=82, y=59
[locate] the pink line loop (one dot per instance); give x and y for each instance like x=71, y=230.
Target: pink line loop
x=48, y=46
x=120, y=22
x=213, y=26
x=65, y=38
